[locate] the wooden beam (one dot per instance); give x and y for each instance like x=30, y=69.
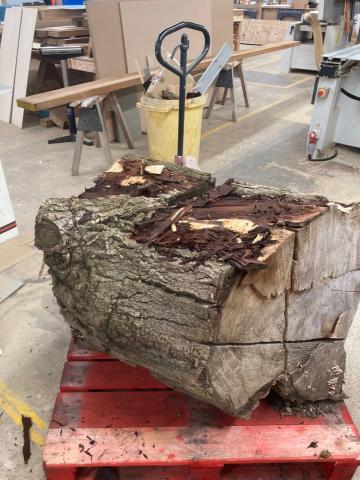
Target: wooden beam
x=56, y=98
x=8, y=55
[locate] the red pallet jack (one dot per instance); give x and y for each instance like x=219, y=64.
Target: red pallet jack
x=112, y=421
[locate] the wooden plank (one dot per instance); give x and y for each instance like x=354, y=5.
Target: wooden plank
x=156, y=16
x=61, y=22
x=205, y=445
x=106, y=32
x=244, y=472
x=106, y=375
x=19, y=248
x=103, y=86
x=222, y=23
x=60, y=12
x=62, y=31
x=84, y=64
x=27, y=30
x=46, y=122
x=8, y=57
x=165, y=409
x=67, y=41
x=80, y=350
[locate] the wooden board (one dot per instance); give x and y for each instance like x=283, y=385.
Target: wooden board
x=155, y=16
x=8, y=57
x=56, y=13
x=260, y=32
x=62, y=31
x=107, y=36
x=66, y=41
x=43, y=101
x=26, y=38
x=84, y=64
x=109, y=375
x=235, y=445
x=222, y=23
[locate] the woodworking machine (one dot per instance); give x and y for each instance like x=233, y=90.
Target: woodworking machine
x=336, y=99
x=336, y=31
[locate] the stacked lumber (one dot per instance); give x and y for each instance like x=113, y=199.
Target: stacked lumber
x=62, y=35
x=55, y=17
x=53, y=26
x=223, y=293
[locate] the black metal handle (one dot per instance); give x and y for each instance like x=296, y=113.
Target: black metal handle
x=184, y=70
x=175, y=28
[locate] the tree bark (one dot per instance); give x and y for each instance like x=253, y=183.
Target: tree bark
x=223, y=295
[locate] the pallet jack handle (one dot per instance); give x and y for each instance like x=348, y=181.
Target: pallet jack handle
x=184, y=70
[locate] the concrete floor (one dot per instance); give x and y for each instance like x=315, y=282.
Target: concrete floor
x=266, y=146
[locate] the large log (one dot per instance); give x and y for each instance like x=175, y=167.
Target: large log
x=222, y=293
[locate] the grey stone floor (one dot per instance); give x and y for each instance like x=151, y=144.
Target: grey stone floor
x=266, y=146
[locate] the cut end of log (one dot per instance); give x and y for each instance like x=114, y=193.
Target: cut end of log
x=47, y=234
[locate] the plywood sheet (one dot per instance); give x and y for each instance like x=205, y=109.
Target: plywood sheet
x=106, y=32
x=8, y=227
x=261, y=32
x=8, y=56
x=27, y=31
x=143, y=20
x=222, y=23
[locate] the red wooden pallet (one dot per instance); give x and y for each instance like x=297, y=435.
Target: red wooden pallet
x=113, y=421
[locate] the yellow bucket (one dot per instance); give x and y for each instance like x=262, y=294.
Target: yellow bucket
x=162, y=127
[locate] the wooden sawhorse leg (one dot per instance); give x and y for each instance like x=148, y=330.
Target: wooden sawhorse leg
x=240, y=74
x=226, y=79
x=119, y=114
x=103, y=138
x=90, y=117
x=79, y=142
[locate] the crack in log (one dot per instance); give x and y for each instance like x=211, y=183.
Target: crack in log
x=289, y=342
x=340, y=290
x=177, y=293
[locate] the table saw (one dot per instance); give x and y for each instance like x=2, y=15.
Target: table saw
x=336, y=19
x=336, y=99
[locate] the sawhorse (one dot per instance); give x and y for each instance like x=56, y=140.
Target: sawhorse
x=226, y=80
x=91, y=120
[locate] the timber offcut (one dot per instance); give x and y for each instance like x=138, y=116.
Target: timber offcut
x=219, y=291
